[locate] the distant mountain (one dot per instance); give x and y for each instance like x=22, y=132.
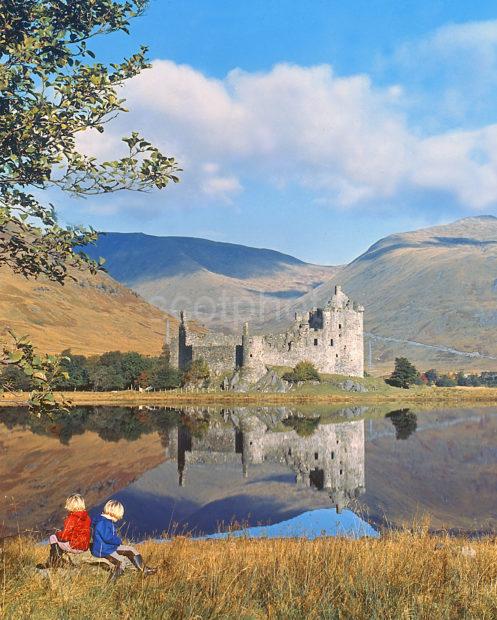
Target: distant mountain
x=94, y=315
x=221, y=284
x=436, y=287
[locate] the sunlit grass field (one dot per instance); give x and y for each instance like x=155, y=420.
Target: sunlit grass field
x=403, y=575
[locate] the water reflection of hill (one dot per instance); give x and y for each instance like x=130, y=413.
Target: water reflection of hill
x=200, y=467
x=447, y=469
x=99, y=452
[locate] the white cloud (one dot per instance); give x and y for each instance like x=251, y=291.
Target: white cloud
x=452, y=71
x=341, y=138
x=221, y=187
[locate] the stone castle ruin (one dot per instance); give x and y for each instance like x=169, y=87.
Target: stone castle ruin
x=330, y=460
x=330, y=337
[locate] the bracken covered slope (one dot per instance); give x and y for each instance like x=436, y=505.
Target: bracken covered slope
x=91, y=316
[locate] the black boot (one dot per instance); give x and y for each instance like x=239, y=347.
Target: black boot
x=116, y=573
x=56, y=553
x=137, y=561
x=118, y=569
x=54, y=559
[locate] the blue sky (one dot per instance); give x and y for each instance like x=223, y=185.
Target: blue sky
x=313, y=128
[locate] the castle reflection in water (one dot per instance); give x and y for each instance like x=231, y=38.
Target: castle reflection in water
x=329, y=458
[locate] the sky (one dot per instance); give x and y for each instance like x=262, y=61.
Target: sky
x=313, y=128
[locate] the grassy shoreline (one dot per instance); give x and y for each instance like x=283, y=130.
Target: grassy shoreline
x=401, y=575
x=305, y=395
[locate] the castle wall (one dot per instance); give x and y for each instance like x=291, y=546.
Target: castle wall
x=220, y=351
x=331, y=338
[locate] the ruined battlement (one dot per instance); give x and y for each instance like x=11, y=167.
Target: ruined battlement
x=330, y=337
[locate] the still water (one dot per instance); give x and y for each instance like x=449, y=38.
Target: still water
x=280, y=471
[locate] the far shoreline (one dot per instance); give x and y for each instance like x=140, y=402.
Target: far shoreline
x=421, y=396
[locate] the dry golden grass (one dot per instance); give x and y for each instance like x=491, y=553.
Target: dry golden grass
x=400, y=576
x=91, y=316
x=322, y=395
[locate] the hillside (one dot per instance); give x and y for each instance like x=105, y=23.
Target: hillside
x=94, y=315
x=435, y=286
x=221, y=284
x=33, y=464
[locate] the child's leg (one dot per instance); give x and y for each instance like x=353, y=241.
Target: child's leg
x=115, y=560
x=56, y=552
x=136, y=559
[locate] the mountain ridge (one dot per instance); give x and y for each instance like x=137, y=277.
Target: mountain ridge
x=223, y=284
x=436, y=286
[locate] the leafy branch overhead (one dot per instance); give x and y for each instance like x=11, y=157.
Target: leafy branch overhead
x=52, y=89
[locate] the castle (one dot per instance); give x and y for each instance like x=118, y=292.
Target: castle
x=330, y=337
x=330, y=460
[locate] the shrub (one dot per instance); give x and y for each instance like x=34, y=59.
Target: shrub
x=197, y=373
x=445, y=381
x=304, y=427
x=303, y=371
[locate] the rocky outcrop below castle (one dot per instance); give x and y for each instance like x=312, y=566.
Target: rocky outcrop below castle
x=270, y=382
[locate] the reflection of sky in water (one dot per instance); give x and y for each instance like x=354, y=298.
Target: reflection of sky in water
x=310, y=525
x=202, y=472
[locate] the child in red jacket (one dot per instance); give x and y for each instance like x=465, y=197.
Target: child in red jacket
x=75, y=535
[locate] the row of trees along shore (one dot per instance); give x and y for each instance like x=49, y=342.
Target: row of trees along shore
x=123, y=371
x=114, y=371
x=405, y=374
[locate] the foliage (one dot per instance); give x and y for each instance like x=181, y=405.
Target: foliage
x=165, y=377
x=431, y=376
x=77, y=376
x=197, y=373
x=303, y=426
x=445, y=381
x=117, y=371
x=43, y=371
x=14, y=380
x=404, y=375
x=303, y=371
x=404, y=421
x=51, y=91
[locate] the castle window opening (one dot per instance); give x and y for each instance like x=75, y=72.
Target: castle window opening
x=336, y=355
x=316, y=456
x=315, y=342
x=341, y=472
x=331, y=342
x=332, y=455
x=289, y=346
x=251, y=355
x=289, y=452
x=339, y=326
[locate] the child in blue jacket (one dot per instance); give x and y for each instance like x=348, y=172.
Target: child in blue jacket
x=107, y=544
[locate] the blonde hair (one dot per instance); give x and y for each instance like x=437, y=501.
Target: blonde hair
x=75, y=503
x=114, y=510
